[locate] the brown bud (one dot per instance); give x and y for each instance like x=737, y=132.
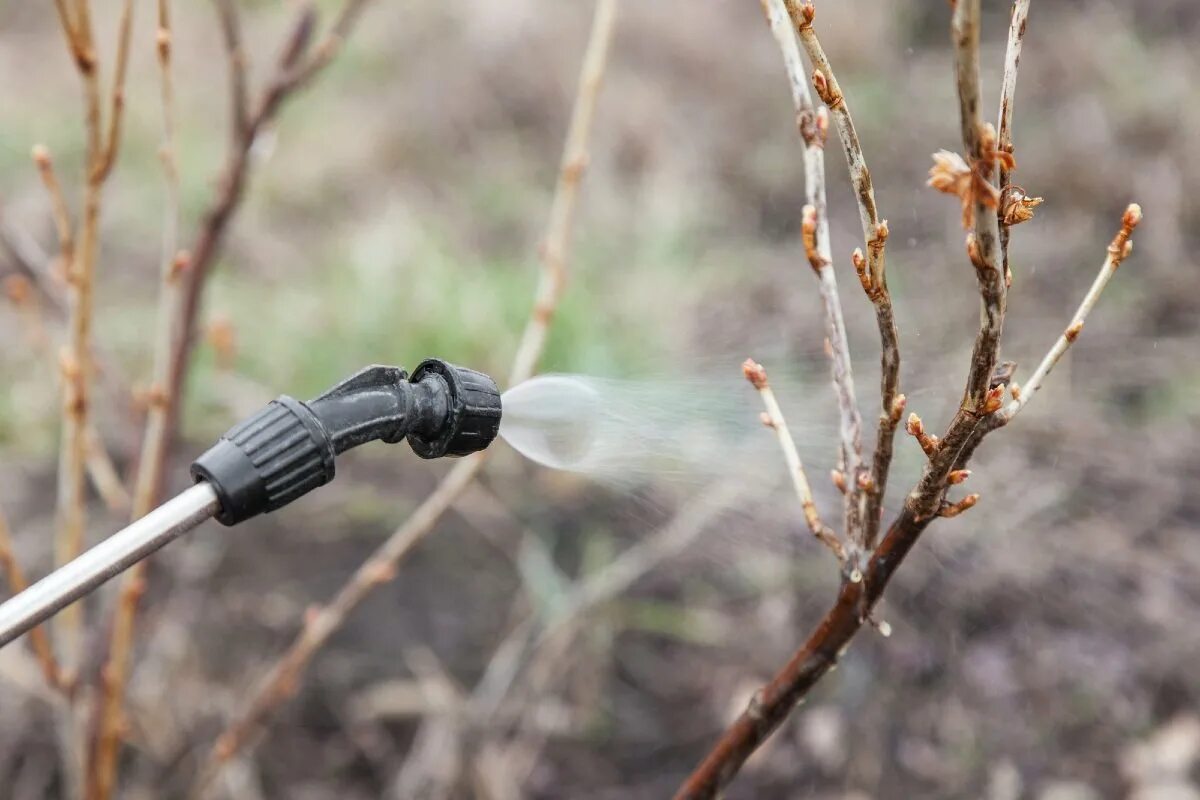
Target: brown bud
x=1132, y=216
x=958, y=476
x=754, y=372
x=823, y=124
x=954, y=509
x=914, y=426
x=839, y=480
x=898, y=404
x=993, y=400
x=18, y=289
x=41, y=156
x=179, y=264
x=1072, y=333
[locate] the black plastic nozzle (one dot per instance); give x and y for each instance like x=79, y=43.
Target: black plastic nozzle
x=288, y=448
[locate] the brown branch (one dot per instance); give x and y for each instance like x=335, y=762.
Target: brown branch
x=813, y=125
x=39, y=641
x=111, y=720
x=231, y=33
x=105, y=479
x=283, y=679
x=112, y=139
x=773, y=418
x=1118, y=250
x=1008, y=90
x=872, y=274
x=771, y=705
x=979, y=143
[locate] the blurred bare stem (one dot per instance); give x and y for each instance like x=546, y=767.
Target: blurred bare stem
x=283, y=679
x=982, y=409
x=76, y=360
x=154, y=443
x=183, y=277
x=78, y=260
x=12, y=573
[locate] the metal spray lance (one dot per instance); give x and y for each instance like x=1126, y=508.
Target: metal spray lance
x=280, y=453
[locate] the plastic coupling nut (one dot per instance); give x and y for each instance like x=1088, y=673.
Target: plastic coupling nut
x=288, y=448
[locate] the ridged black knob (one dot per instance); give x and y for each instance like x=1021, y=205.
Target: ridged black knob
x=267, y=461
x=473, y=419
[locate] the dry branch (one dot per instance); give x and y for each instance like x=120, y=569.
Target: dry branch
x=12, y=573
x=870, y=268
x=774, y=419
x=979, y=414
x=1118, y=250
x=1008, y=91
x=110, y=722
x=813, y=125
x=979, y=144
x=284, y=677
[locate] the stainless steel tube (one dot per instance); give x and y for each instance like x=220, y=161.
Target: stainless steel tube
x=109, y=558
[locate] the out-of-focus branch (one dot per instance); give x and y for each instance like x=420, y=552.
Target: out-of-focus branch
x=77, y=360
x=110, y=721
x=112, y=139
x=1008, y=91
x=813, y=125
x=535, y=652
x=231, y=33
x=773, y=419
x=872, y=272
x=39, y=641
x=21, y=291
x=1118, y=250
x=284, y=677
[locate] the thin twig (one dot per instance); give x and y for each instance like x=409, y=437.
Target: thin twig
x=1008, y=91
x=110, y=722
x=39, y=641
x=874, y=272
x=231, y=32
x=105, y=479
x=284, y=677
x=773, y=419
x=983, y=243
x=112, y=140
x=813, y=125
x=1118, y=250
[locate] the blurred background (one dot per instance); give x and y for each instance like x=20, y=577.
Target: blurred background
x=1044, y=644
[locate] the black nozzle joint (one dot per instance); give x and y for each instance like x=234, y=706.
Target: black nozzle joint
x=288, y=448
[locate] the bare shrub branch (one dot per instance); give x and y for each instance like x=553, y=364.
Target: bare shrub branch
x=12, y=573
x=283, y=679
x=1118, y=250
x=980, y=413
x=813, y=126
x=1008, y=92
x=773, y=419
x=873, y=272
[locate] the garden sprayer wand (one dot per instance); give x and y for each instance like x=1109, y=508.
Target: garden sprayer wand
x=278, y=454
